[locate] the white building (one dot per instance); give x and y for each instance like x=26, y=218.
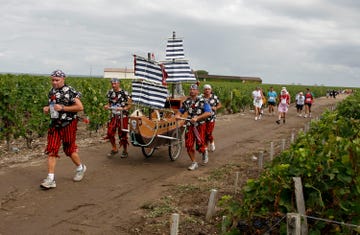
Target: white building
x=122, y=73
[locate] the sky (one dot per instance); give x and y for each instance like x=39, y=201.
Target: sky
x=307, y=42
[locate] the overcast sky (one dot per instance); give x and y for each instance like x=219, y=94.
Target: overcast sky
x=283, y=42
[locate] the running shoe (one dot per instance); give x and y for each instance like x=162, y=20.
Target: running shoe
x=193, y=166
x=124, y=154
x=48, y=183
x=112, y=153
x=80, y=174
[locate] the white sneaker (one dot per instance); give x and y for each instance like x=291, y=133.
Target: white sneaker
x=48, y=183
x=255, y=118
x=80, y=174
x=193, y=166
x=212, y=146
x=205, y=157
x=260, y=116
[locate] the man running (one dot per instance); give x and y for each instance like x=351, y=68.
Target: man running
x=198, y=110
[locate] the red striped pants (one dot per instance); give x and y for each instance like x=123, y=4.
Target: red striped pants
x=115, y=125
x=209, y=128
x=66, y=135
x=191, y=139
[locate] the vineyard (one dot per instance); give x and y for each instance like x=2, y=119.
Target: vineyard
x=327, y=160
x=112, y=202
x=22, y=98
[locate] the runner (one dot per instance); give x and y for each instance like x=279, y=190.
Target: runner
x=64, y=103
x=283, y=107
x=300, y=100
x=257, y=102
x=215, y=104
x=309, y=100
x=272, y=96
x=198, y=110
x=119, y=104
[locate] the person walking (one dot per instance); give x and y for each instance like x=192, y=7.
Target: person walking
x=272, y=96
x=283, y=107
x=119, y=102
x=197, y=110
x=257, y=102
x=309, y=100
x=215, y=104
x=300, y=101
x=64, y=103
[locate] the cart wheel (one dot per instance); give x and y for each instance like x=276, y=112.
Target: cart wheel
x=148, y=152
x=175, y=146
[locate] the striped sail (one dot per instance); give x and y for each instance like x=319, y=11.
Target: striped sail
x=148, y=94
x=148, y=70
x=178, y=71
x=176, y=67
x=174, y=49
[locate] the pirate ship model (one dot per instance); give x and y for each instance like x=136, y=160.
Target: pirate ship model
x=153, y=123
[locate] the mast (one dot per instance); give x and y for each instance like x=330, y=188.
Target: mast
x=176, y=66
x=173, y=85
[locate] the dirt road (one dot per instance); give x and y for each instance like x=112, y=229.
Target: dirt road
x=108, y=199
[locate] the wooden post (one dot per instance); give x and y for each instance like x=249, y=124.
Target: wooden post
x=300, y=203
x=211, y=205
x=174, y=225
x=293, y=224
x=223, y=224
x=271, y=150
x=283, y=142
x=261, y=159
x=236, y=181
x=292, y=136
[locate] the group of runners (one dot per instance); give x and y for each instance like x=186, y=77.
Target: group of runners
x=65, y=102
x=200, y=110
x=281, y=101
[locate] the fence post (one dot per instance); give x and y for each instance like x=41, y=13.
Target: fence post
x=174, y=225
x=300, y=203
x=283, y=142
x=292, y=136
x=293, y=224
x=261, y=159
x=236, y=181
x=223, y=224
x=211, y=205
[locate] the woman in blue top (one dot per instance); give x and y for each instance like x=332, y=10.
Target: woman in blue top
x=272, y=95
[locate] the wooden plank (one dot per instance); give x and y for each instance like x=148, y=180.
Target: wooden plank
x=300, y=203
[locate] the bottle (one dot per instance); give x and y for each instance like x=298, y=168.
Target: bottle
x=53, y=113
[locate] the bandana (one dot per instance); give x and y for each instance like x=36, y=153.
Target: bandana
x=58, y=74
x=207, y=86
x=115, y=80
x=194, y=86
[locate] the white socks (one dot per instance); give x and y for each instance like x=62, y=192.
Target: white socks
x=80, y=167
x=51, y=176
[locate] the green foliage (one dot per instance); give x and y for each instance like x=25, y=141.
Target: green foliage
x=200, y=73
x=22, y=98
x=327, y=160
